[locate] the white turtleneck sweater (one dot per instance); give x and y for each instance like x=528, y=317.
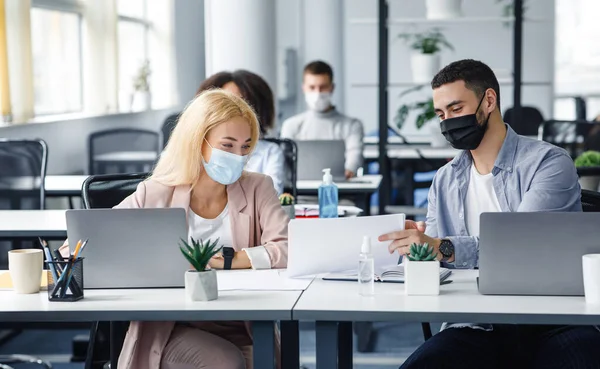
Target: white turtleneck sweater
x=329, y=125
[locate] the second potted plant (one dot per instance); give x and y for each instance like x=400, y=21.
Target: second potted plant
x=287, y=203
x=425, y=61
x=421, y=271
x=200, y=283
x=585, y=162
x=425, y=114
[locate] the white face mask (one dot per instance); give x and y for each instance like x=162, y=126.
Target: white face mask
x=318, y=101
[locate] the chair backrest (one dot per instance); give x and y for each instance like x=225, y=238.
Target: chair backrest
x=107, y=191
x=168, y=126
x=121, y=140
x=590, y=201
x=531, y=118
x=290, y=153
x=574, y=136
x=22, y=174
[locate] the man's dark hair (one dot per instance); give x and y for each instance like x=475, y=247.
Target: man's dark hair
x=478, y=77
x=319, y=67
x=254, y=89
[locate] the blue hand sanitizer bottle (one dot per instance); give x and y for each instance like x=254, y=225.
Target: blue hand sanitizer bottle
x=328, y=196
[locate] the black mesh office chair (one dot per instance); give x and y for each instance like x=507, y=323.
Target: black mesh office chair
x=22, y=174
x=123, y=150
x=574, y=136
x=168, y=126
x=590, y=201
x=105, y=192
x=290, y=153
x=531, y=118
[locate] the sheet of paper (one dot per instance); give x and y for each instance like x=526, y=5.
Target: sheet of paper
x=259, y=280
x=313, y=209
x=333, y=245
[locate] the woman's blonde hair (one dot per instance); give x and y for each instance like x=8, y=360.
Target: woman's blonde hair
x=181, y=161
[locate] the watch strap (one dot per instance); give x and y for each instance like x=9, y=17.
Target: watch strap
x=228, y=258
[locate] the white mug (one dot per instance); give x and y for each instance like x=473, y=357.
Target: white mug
x=25, y=267
x=591, y=278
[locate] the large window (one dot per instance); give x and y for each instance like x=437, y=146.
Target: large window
x=56, y=58
x=577, y=57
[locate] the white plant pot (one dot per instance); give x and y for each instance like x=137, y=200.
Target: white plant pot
x=422, y=277
x=444, y=9
x=424, y=67
x=589, y=182
x=201, y=286
x=141, y=101
x=437, y=138
x=290, y=210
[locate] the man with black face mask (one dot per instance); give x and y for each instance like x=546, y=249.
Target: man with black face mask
x=498, y=171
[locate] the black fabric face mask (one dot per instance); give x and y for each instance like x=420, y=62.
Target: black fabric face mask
x=465, y=132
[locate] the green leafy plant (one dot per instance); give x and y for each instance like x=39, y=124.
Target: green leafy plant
x=286, y=199
x=428, y=42
x=141, y=80
x=425, y=110
x=199, y=253
x=422, y=252
x=588, y=159
x=508, y=9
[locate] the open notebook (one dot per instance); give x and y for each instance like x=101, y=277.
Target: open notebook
x=392, y=275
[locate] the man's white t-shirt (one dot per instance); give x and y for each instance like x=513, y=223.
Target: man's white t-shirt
x=481, y=198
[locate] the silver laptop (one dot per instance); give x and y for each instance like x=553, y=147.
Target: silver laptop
x=314, y=156
x=130, y=248
x=535, y=253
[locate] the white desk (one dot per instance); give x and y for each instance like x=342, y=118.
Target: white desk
x=263, y=308
x=48, y=224
x=331, y=303
x=59, y=185
x=410, y=152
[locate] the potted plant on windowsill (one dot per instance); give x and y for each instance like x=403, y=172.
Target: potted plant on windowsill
x=589, y=162
x=142, y=98
x=287, y=203
x=425, y=116
x=443, y=9
x=425, y=61
x=200, y=283
x=421, y=271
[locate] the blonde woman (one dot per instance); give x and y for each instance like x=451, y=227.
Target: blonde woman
x=200, y=170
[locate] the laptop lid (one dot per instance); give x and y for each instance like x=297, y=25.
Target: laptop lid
x=314, y=156
x=535, y=253
x=130, y=248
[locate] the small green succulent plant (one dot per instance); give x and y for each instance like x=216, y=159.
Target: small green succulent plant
x=422, y=252
x=286, y=199
x=200, y=252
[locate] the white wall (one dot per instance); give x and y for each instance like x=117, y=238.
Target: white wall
x=490, y=42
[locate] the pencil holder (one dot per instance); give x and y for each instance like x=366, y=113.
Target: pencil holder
x=65, y=280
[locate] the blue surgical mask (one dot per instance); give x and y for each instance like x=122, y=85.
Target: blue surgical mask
x=224, y=167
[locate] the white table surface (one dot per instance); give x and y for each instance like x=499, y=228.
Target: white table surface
x=149, y=305
x=33, y=223
x=127, y=156
x=410, y=152
x=59, y=185
x=459, y=301
x=369, y=182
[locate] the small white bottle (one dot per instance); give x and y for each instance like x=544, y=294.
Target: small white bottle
x=366, y=269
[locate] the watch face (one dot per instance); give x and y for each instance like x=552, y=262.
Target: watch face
x=228, y=251
x=446, y=248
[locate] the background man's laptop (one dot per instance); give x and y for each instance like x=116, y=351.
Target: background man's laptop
x=314, y=156
x=535, y=253
x=130, y=248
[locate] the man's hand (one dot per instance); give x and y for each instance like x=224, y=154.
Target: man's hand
x=413, y=233
x=349, y=174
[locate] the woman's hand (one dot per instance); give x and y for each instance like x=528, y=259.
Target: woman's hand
x=240, y=261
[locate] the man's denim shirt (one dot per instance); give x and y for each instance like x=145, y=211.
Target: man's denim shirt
x=529, y=176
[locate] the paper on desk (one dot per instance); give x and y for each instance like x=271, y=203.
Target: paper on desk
x=259, y=280
x=313, y=209
x=333, y=245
